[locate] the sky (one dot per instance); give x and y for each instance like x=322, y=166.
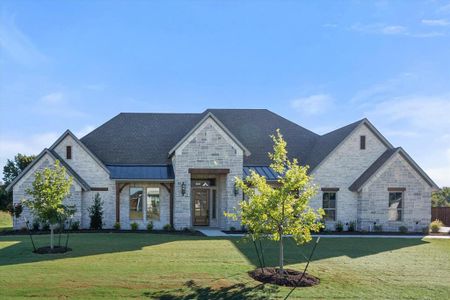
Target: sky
x=322, y=64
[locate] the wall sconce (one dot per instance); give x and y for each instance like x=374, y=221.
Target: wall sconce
x=236, y=189
x=183, y=188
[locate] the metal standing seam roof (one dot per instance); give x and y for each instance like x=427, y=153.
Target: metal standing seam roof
x=265, y=171
x=153, y=172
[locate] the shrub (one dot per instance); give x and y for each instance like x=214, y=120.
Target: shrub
x=425, y=229
x=150, y=226
x=117, y=226
x=352, y=226
x=338, y=226
x=134, y=226
x=36, y=225
x=323, y=227
x=167, y=227
x=403, y=229
x=75, y=225
x=45, y=227
x=377, y=228
x=436, y=225
x=96, y=213
x=232, y=228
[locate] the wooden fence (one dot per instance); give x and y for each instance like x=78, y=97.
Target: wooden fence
x=441, y=213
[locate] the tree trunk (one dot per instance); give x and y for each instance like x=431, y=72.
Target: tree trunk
x=281, y=262
x=51, y=236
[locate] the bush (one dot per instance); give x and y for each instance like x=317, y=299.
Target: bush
x=232, y=228
x=339, y=226
x=96, y=213
x=403, y=229
x=352, y=226
x=45, y=227
x=134, y=226
x=377, y=228
x=167, y=227
x=425, y=229
x=36, y=225
x=117, y=226
x=150, y=226
x=436, y=225
x=75, y=225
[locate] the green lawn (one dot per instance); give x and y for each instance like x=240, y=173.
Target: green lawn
x=5, y=221
x=134, y=265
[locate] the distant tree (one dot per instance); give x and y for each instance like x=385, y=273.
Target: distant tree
x=96, y=213
x=276, y=211
x=49, y=188
x=13, y=168
x=10, y=171
x=441, y=198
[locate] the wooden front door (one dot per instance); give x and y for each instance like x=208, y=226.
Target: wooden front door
x=201, y=207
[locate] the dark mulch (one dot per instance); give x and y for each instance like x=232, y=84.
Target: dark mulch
x=289, y=278
x=48, y=250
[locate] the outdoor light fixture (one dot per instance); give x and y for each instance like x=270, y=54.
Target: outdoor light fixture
x=183, y=188
x=236, y=189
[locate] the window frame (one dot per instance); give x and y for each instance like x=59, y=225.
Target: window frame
x=362, y=142
x=399, y=210
x=326, y=209
x=68, y=152
x=144, y=199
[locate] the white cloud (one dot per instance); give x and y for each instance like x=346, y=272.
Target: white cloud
x=16, y=44
x=10, y=146
x=54, y=98
x=394, y=30
x=435, y=22
x=313, y=104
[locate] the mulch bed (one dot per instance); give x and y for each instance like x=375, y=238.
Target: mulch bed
x=48, y=250
x=289, y=278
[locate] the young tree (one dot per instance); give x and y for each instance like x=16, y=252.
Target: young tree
x=48, y=191
x=281, y=209
x=96, y=213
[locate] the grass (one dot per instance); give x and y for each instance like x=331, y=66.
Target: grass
x=164, y=266
x=5, y=220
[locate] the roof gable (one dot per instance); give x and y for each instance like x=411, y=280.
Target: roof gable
x=54, y=156
x=359, y=183
x=211, y=116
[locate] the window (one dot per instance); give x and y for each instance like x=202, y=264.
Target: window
x=136, y=205
x=69, y=152
x=153, y=207
x=362, y=142
x=395, y=206
x=329, y=205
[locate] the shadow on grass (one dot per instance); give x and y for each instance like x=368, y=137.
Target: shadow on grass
x=18, y=249
x=236, y=291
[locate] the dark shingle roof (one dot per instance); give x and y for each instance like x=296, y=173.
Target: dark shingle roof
x=147, y=138
x=372, y=169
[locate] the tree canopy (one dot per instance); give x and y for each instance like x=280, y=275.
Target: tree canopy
x=441, y=198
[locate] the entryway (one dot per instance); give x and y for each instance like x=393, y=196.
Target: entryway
x=201, y=207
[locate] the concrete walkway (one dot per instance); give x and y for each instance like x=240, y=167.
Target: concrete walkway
x=212, y=232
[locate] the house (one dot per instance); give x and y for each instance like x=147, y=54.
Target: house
x=179, y=169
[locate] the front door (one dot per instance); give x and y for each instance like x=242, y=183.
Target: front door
x=201, y=207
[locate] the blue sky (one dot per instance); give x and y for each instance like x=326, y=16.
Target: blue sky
x=322, y=64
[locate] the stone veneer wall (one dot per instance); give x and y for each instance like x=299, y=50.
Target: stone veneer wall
x=88, y=168
x=342, y=168
x=416, y=198
x=208, y=147
x=19, y=193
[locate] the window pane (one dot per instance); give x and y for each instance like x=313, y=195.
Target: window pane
x=395, y=206
x=153, y=205
x=214, y=204
x=329, y=200
x=330, y=215
x=136, y=205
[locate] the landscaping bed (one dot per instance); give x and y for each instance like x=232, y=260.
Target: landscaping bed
x=289, y=277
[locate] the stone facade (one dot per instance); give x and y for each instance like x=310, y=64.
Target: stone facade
x=374, y=197
x=208, y=147
x=344, y=165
